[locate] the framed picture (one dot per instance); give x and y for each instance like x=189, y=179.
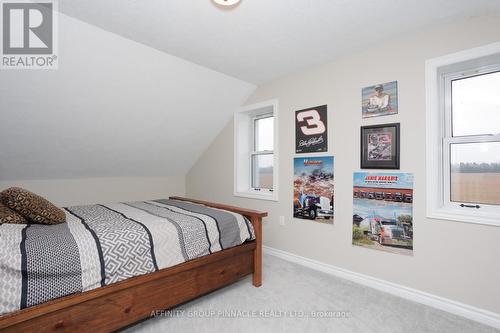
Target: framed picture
x=311, y=130
x=380, y=146
x=380, y=100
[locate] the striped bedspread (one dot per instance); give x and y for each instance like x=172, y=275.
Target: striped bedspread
x=104, y=244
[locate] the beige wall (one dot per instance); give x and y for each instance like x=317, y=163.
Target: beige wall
x=455, y=260
x=69, y=192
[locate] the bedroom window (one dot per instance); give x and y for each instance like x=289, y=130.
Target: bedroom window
x=256, y=151
x=463, y=132
x=263, y=151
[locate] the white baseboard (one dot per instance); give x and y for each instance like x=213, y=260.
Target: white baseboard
x=482, y=316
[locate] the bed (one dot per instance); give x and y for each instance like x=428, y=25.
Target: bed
x=112, y=265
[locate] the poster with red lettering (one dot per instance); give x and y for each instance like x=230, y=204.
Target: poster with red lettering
x=383, y=211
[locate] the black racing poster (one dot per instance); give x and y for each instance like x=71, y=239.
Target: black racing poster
x=311, y=130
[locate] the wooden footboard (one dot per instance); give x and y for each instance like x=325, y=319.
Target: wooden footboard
x=256, y=219
x=120, y=304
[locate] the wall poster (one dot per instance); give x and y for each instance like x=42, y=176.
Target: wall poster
x=383, y=211
x=313, y=190
x=380, y=100
x=311, y=130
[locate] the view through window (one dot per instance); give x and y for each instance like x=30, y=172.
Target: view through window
x=474, y=145
x=263, y=152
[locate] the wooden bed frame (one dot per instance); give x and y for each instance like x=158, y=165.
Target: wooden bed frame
x=121, y=304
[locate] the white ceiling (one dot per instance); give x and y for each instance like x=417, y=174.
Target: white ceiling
x=263, y=39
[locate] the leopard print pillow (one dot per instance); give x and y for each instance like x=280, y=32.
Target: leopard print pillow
x=31, y=206
x=7, y=215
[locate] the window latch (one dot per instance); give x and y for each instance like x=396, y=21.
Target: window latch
x=470, y=206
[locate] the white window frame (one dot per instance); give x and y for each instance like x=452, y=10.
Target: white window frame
x=439, y=74
x=244, y=143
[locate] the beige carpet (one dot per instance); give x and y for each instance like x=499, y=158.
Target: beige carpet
x=297, y=299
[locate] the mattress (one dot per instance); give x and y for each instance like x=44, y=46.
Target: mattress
x=105, y=243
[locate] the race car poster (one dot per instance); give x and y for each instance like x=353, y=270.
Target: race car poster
x=311, y=130
x=380, y=100
x=313, y=188
x=383, y=211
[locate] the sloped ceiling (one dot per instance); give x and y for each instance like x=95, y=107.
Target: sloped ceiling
x=114, y=108
x=263, y=39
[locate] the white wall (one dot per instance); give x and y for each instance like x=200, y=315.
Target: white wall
x=113, y=108
x=71, y=192
x=114, y=122
x=455, y=260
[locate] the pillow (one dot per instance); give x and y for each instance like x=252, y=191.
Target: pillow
x=7, y=215
x=31, y=206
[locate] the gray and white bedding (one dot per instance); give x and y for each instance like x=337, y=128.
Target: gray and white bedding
x=104, y=244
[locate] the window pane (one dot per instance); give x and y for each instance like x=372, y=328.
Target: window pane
x=476, y=105
x=475, y=172
x=262, y=171
x=264, y=134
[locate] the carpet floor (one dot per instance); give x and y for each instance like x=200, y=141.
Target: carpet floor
x=297, y=299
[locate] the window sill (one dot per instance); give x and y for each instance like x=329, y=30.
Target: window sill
x=475, y=217
x=258, y=196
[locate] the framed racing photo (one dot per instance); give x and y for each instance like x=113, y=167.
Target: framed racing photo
x=380, y=146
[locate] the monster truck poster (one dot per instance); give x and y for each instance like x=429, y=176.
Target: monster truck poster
x=383, y=211
x=311, y=130
x=313, y=188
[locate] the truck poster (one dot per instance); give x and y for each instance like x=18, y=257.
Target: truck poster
x=313, y=188
x=383, y=211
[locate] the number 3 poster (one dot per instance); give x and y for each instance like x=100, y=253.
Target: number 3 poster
x=311, y=131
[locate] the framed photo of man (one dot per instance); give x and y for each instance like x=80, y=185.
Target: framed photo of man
x=380, y=100
x=380, y=146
